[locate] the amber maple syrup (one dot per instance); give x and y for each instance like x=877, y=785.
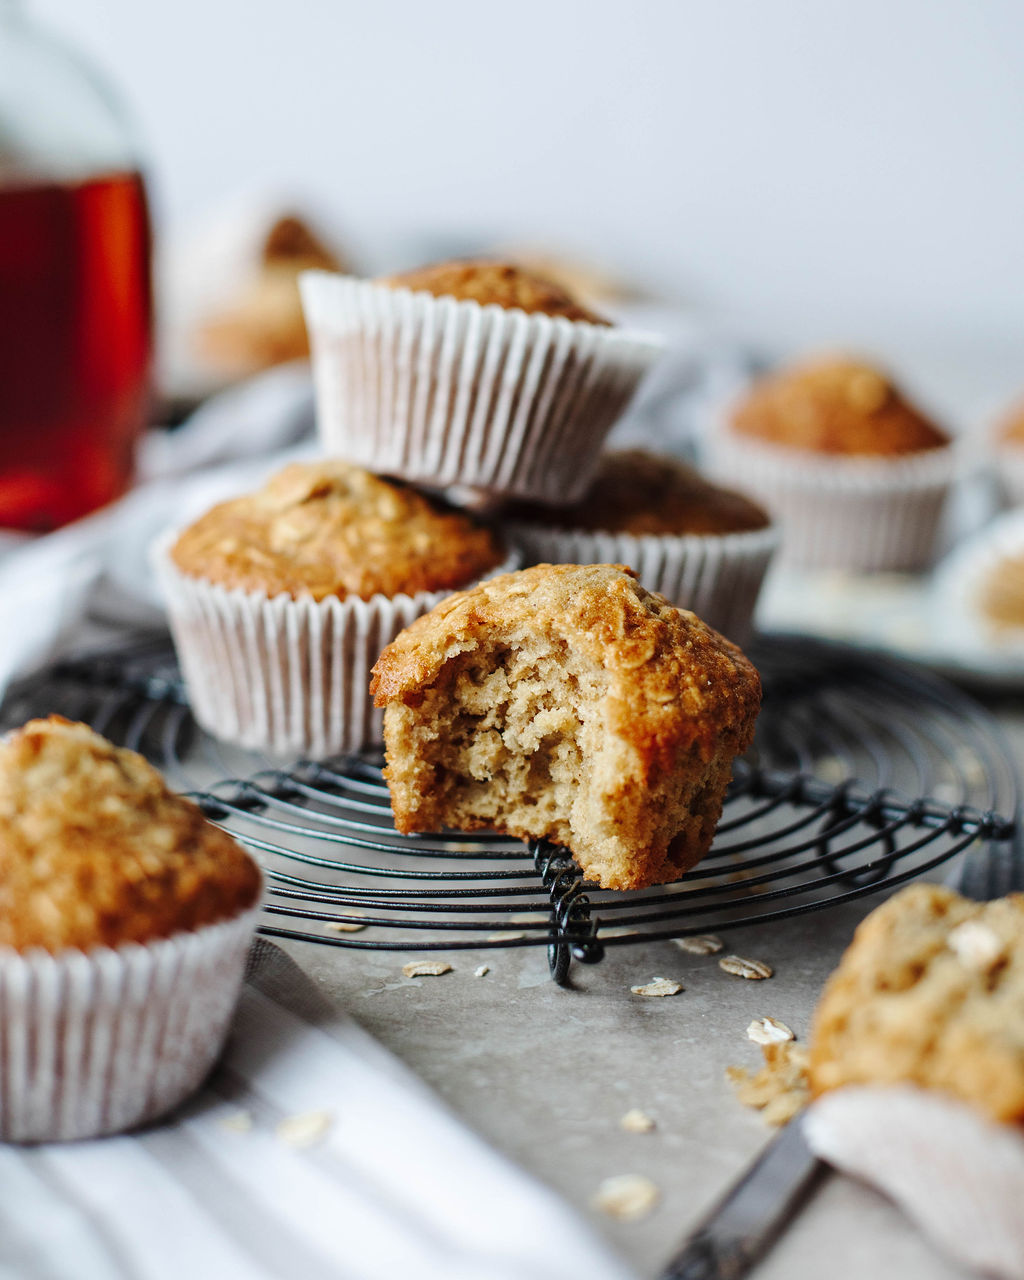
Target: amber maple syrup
x=75, y=344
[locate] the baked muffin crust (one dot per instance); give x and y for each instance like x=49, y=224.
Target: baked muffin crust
x=565, y=701
x=835, y=406
x=640, y=493
x=930, y=992
x=499, y=283
x=95, y=850
x=332, y=529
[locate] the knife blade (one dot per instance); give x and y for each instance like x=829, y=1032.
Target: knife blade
x=738, y=1232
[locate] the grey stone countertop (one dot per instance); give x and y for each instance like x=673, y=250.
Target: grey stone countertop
x=545, y=1074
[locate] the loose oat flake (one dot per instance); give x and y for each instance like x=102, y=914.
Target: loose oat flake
x=701, y=944
x=345, y=926
x=236, y=1122
x=741, y=968
x=627, y=1196
x=305, y=1129
x=426, y=968
x=636, y=1121
x=769, y=1031
x=482, y=971
x=658, y=987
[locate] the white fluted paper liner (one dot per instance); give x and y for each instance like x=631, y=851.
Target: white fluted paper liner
x=957, y=1174
x=718, y=576
x=95, y=1042
x=1008, y=465
x=958, y=582
x=446, y=392
x=860, y=514
x=285, y=675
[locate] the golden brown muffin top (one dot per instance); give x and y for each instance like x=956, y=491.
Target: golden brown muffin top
x=1011, y=429
x=95, y=850
x=836, y=406
x=640, y=493
x=499, y=283
x=332, y=529
x=672, y=680
x=1001, y=594
x=930, y=992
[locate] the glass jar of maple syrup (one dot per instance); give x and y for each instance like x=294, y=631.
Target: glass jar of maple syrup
x=75, y=284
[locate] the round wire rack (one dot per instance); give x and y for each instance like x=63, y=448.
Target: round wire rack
x=864, y=774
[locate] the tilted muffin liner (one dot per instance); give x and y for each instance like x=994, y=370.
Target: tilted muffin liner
x=448, y=392
x=280, y=674
x=95, y=1042
x=862, y=514
x=717, y=576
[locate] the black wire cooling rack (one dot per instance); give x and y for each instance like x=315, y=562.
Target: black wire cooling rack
x=865, y=773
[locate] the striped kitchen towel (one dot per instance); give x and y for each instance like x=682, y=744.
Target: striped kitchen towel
x=311, y=1152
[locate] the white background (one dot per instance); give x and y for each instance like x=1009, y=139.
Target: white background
x=826, y=171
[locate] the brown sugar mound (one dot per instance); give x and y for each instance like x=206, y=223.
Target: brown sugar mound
x=494, y=283
x=95, y=850
x=640, y=493
x=567, y=702
x=930, y=992
x=332, y=529
x=835, y=406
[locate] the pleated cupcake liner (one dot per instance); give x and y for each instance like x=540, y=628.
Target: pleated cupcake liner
x=957, y=1174
x=284, y=675
x=451, y=393
x=718, y=576
x=859, y=514
x=96, y=1042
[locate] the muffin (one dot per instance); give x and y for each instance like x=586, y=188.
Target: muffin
x=929, y=993
x=262, y=324
x=705, y=548
x=125, y=920
x=566, y=702
x=281, y=600
x=977, y=597
x=856, y=476
x=472, y=374
x=1007, y=455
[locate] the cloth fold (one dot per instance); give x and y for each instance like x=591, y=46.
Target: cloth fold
x=388, y=1185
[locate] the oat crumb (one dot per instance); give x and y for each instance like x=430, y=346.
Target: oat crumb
x=742, y=968
x=426, y=968
x=701, y=944
x=237, y=1121
x=636, y=1121
x=769, y=1031
x=780, y=1089
x=481, y=971
x=305, y=1129
x=626, y=1196
x=346, y=926
x=658, y=987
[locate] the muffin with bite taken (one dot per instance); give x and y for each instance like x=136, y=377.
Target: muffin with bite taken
x=567, y=703
x=125, y=923
x=281, y=600
x=470, y=373
x=856, y=475
x=704, y=547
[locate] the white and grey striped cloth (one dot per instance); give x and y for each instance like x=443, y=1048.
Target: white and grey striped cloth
x=394, y=1186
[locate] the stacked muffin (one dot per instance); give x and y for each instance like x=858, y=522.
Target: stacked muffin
x=472, y=374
